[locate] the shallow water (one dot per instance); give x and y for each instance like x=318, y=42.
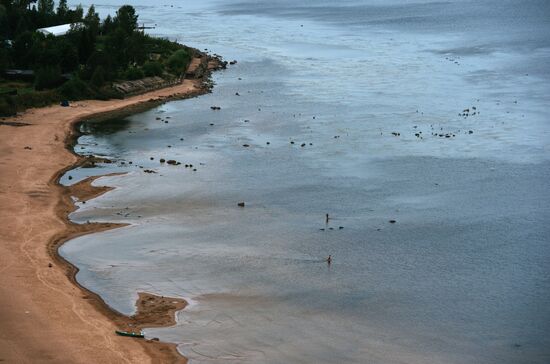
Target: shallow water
x=461, y=277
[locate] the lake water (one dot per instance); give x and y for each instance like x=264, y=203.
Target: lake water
x=462, y=276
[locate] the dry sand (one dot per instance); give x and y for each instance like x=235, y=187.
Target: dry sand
x=44, y=316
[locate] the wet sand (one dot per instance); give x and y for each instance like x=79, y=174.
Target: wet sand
x=46, y=316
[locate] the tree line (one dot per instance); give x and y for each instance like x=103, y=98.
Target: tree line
x=92, y=54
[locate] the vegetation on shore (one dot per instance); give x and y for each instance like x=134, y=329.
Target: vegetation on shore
x=38, y=69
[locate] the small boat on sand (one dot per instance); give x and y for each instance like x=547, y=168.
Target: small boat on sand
x=130, y=334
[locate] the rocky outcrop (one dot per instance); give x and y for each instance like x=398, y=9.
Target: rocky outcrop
x=128, y=88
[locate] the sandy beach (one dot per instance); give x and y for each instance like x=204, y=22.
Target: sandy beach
x=45, y=315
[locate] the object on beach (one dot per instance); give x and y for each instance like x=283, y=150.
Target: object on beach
x=64, y=103
x=130, y=334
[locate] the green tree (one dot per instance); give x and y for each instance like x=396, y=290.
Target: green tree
x=108, y=25
x=115, y=45
x=75, y=89
x=98, y=77
x=135, y=51
x=4, y=23
x=62, y=10
x=86, y=44
x=23, y=4
x=178, y=61
x=22, y=46
x=75, y=16
x=133, y=73
x=152, y=69
x=98, y=59
x=47, y=77
x=126, y=19
x=92, y=20
x=44, y=51
x=46, y=7
x=69, y=59
x=22, y=25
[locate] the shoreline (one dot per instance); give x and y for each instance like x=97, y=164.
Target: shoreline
x=74, y=324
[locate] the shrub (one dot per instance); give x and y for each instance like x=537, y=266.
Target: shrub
x=161, y=45
x=98, y=77
x=178, y=61
x=36, y=99
x=152, y=69
x=133, y=73
x=47, y=77
x=7, y=106
x=75, y=89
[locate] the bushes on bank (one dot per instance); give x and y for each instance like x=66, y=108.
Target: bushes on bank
x=133, y=73
x=47, y=78
x=36, y=99
x=7, y=106
x=178, y=61
x=152, y=69
x=75, y=89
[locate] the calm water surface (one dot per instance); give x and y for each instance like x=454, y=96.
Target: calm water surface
x=463, y=274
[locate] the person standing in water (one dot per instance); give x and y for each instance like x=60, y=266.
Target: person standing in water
x=329, y=259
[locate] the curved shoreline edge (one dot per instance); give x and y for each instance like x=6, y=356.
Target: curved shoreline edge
x=33, y=293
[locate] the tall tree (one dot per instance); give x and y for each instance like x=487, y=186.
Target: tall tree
x=107, y=25
x=23, y=4
x=75, y=16
x=92, y=20
x=69, y=59
x=4, y=23
x=22, y=46
x=115, y=45
x=62, y=10
x=86, y=44
x=126, y=19
x=22, y=25
x=46, y=7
